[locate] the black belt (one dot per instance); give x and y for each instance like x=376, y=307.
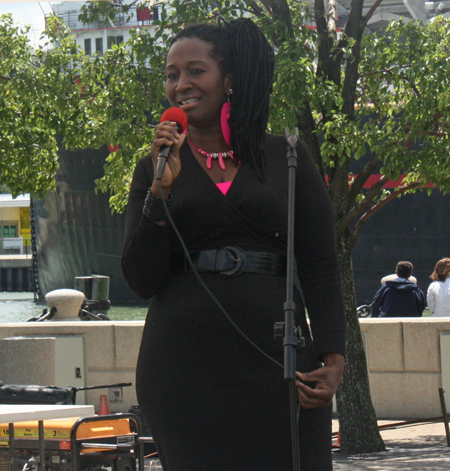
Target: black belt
x=231, y=261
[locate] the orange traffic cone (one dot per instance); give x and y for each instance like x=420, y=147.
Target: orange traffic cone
x=338, y=443
x=104, y=406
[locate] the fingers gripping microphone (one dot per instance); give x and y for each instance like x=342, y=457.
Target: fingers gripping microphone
x=179, y=116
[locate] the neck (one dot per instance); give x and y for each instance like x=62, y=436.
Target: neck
x=210, y=139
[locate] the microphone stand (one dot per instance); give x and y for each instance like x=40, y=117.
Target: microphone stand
x=292, y=338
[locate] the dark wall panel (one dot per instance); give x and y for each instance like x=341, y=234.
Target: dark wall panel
x=75, y=231
x=414, y=228
x=78, y=236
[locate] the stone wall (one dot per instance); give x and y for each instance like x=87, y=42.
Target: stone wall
x=405, y=365
x=110, y=353
x=404, y=360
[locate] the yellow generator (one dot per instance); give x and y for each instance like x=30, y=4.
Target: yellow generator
x=97, y=443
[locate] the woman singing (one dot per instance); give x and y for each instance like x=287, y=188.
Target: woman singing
x=213, y=402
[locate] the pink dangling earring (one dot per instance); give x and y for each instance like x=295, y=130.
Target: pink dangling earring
x=224, y=117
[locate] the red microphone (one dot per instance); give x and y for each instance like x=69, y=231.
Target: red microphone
x=178, y=116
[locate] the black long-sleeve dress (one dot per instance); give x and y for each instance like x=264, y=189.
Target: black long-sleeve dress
x=212, y=401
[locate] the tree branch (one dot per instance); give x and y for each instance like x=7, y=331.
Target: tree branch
x=336, y=53
x=266, y=6
x=387, y=71
x=256, y=9
x=366, y=203
x=281, y=11
x=308, y=126
x=322, y=38
x=338, y=188
x=331, y=22
x=377, y=207
x=370, y=13
x=434, y=133
x=353, y=30
x=362, y=177
x=412, y=85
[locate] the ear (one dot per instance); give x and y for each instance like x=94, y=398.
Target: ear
x=227, y=83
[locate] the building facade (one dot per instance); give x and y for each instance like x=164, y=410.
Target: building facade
x=15, y=232
x=97, y=37
x=16, y=258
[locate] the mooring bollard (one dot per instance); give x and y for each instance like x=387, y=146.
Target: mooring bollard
x=96, y=290
x=67, y=302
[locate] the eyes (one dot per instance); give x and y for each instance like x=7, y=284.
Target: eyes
x=193, y=72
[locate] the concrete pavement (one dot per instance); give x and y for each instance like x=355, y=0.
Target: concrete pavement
x=409, y=447
x=420, y=446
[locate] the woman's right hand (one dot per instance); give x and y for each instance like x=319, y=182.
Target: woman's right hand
x=167, y=135
x=326, y=380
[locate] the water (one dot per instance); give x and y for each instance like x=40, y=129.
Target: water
x=18, y=307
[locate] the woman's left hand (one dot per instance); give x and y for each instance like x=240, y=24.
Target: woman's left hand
x=326, y=379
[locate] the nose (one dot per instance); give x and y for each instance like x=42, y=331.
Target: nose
x=184, y=82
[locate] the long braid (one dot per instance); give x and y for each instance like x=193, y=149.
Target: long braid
x=243, y=51
x=253, y=65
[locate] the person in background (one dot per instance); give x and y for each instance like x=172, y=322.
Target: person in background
x=438, y=295
x=394, y=276
x=399, y=297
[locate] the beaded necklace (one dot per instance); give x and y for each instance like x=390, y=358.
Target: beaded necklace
x=213, y=155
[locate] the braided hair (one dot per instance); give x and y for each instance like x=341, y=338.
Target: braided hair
x=242, y=50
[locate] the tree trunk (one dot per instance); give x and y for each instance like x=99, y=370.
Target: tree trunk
x=359, y=431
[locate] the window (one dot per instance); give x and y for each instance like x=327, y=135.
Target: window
x=87, y=46
x=9, y=241
x=114, y=40
x=99, y=45
x=8, y=230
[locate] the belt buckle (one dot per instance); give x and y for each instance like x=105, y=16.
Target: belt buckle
x=240, y=260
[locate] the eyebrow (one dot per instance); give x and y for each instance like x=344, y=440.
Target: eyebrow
x=189, y=63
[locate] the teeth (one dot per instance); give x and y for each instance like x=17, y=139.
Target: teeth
x=187, y=102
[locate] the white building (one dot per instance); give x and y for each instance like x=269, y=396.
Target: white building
x=99, y=36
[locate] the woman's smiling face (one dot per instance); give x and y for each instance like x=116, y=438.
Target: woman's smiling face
x=194, y=81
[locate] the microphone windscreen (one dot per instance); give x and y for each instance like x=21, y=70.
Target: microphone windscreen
x=177, y=115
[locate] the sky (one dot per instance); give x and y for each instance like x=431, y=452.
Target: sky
x=28, y=13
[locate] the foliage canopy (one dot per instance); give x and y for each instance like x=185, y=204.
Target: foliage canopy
x=396, y=111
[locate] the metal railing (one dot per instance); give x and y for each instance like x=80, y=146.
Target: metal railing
x=12, y=245
x=70, y=19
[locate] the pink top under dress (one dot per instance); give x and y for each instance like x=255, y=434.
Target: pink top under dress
x=224, y=187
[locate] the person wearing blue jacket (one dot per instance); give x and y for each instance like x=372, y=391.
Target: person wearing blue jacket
x=399, y=297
